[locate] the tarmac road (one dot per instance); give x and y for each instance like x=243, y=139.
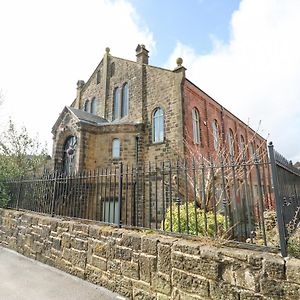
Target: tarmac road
x=22, y=278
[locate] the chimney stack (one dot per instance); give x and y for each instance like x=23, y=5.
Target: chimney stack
x=142, y=56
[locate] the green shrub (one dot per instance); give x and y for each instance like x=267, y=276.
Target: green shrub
x=4, y=198
x=211, y=230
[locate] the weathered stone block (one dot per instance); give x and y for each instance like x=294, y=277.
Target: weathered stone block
x=149, y=244
x=164, y=258
x=195, y=264
x=130, y=269
x=293, y=270
x=99, y=262
x=131, y=240
x=190, y=283
x=274, y=267
x=147, y=265
x=79, y=244
x=161, y=283
x=123, y=253
x=114, y=266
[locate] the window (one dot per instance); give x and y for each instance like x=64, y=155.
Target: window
x=231, y=142
x=112, y=69
x=196, y=125
x=243, y=146
x=93, y=106
x=69, y=154
x=98, y=76
x=116, y=149
x=158, y=125
x=87, y=106
x=124, y=102
x=116, y=104
x=215, y=128
x=251, y=151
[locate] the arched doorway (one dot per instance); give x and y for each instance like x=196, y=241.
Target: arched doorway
x=69, y=154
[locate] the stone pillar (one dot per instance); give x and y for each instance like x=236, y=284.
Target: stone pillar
x=142, y=56
x=80, y=85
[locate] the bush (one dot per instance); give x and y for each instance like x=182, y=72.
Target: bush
x=211, y=230
x=4, y=198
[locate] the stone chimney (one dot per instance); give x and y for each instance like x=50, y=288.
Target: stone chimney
x=142, y=54
x=80, y=85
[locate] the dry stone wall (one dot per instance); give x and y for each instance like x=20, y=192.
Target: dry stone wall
x=150, y=266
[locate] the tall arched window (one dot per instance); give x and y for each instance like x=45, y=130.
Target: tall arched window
x=196, y=125
x=116, y=148
x=251, y=151
x=158, y=125
x=125, y=99
x=87, y=106
x=93, y=106
x=116, y=104
x=231, y=142
x=215, y=129
x=69, y=154
x=243, y=147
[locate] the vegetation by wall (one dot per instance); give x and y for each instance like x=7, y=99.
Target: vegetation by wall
x=142, y=265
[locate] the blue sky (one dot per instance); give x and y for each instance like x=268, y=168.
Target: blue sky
x=193, y=22
x=245, y=54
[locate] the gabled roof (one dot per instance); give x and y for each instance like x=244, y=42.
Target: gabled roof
x=86, y=117
x=81, y=116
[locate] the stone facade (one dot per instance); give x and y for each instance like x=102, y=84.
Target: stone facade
x=141, y=265
x=149, y=88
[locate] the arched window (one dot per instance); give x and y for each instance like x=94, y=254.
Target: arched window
x=93, y=106
x=243, y=147
x=196, y=125
x=251, y=151
x=125, y=99
x=112, y=69
x=116, y=104
x=69, y=154
x=215, y=129
x=231, y=142
x=116, y=148
x=87, y=106
x=158, y=125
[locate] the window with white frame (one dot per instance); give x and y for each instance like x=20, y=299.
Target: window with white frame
x=116, y=147
x=125, y=100
x=158, y=125
x=231, y=142
x=196, y=125
x=215, y=130
x=116, y=104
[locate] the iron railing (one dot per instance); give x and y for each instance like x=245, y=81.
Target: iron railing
x=286, y=185
x=225, y=197
x=198, y=197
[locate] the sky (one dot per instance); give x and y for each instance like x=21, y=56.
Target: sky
x=243, y=53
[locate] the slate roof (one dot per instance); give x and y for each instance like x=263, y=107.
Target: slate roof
x=84, y=116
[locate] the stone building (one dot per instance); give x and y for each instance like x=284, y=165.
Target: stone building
x=131, y=111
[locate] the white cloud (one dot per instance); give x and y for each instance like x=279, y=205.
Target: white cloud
x=256, y=75
x=46, y=46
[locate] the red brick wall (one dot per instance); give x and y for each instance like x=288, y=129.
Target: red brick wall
x=210, y=110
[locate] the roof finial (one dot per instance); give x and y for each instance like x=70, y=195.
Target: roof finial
x=179, y=61
x=107, y=50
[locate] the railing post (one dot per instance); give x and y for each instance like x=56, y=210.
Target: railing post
x=120, y=193
x=53, y=195
x=280, y=223
x=19, y=193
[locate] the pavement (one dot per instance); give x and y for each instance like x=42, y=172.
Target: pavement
x=22, y=278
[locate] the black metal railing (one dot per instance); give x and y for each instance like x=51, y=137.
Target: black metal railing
x=286, y=185
x=197, y=197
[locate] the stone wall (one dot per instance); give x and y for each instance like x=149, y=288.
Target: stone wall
x=150, y=266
